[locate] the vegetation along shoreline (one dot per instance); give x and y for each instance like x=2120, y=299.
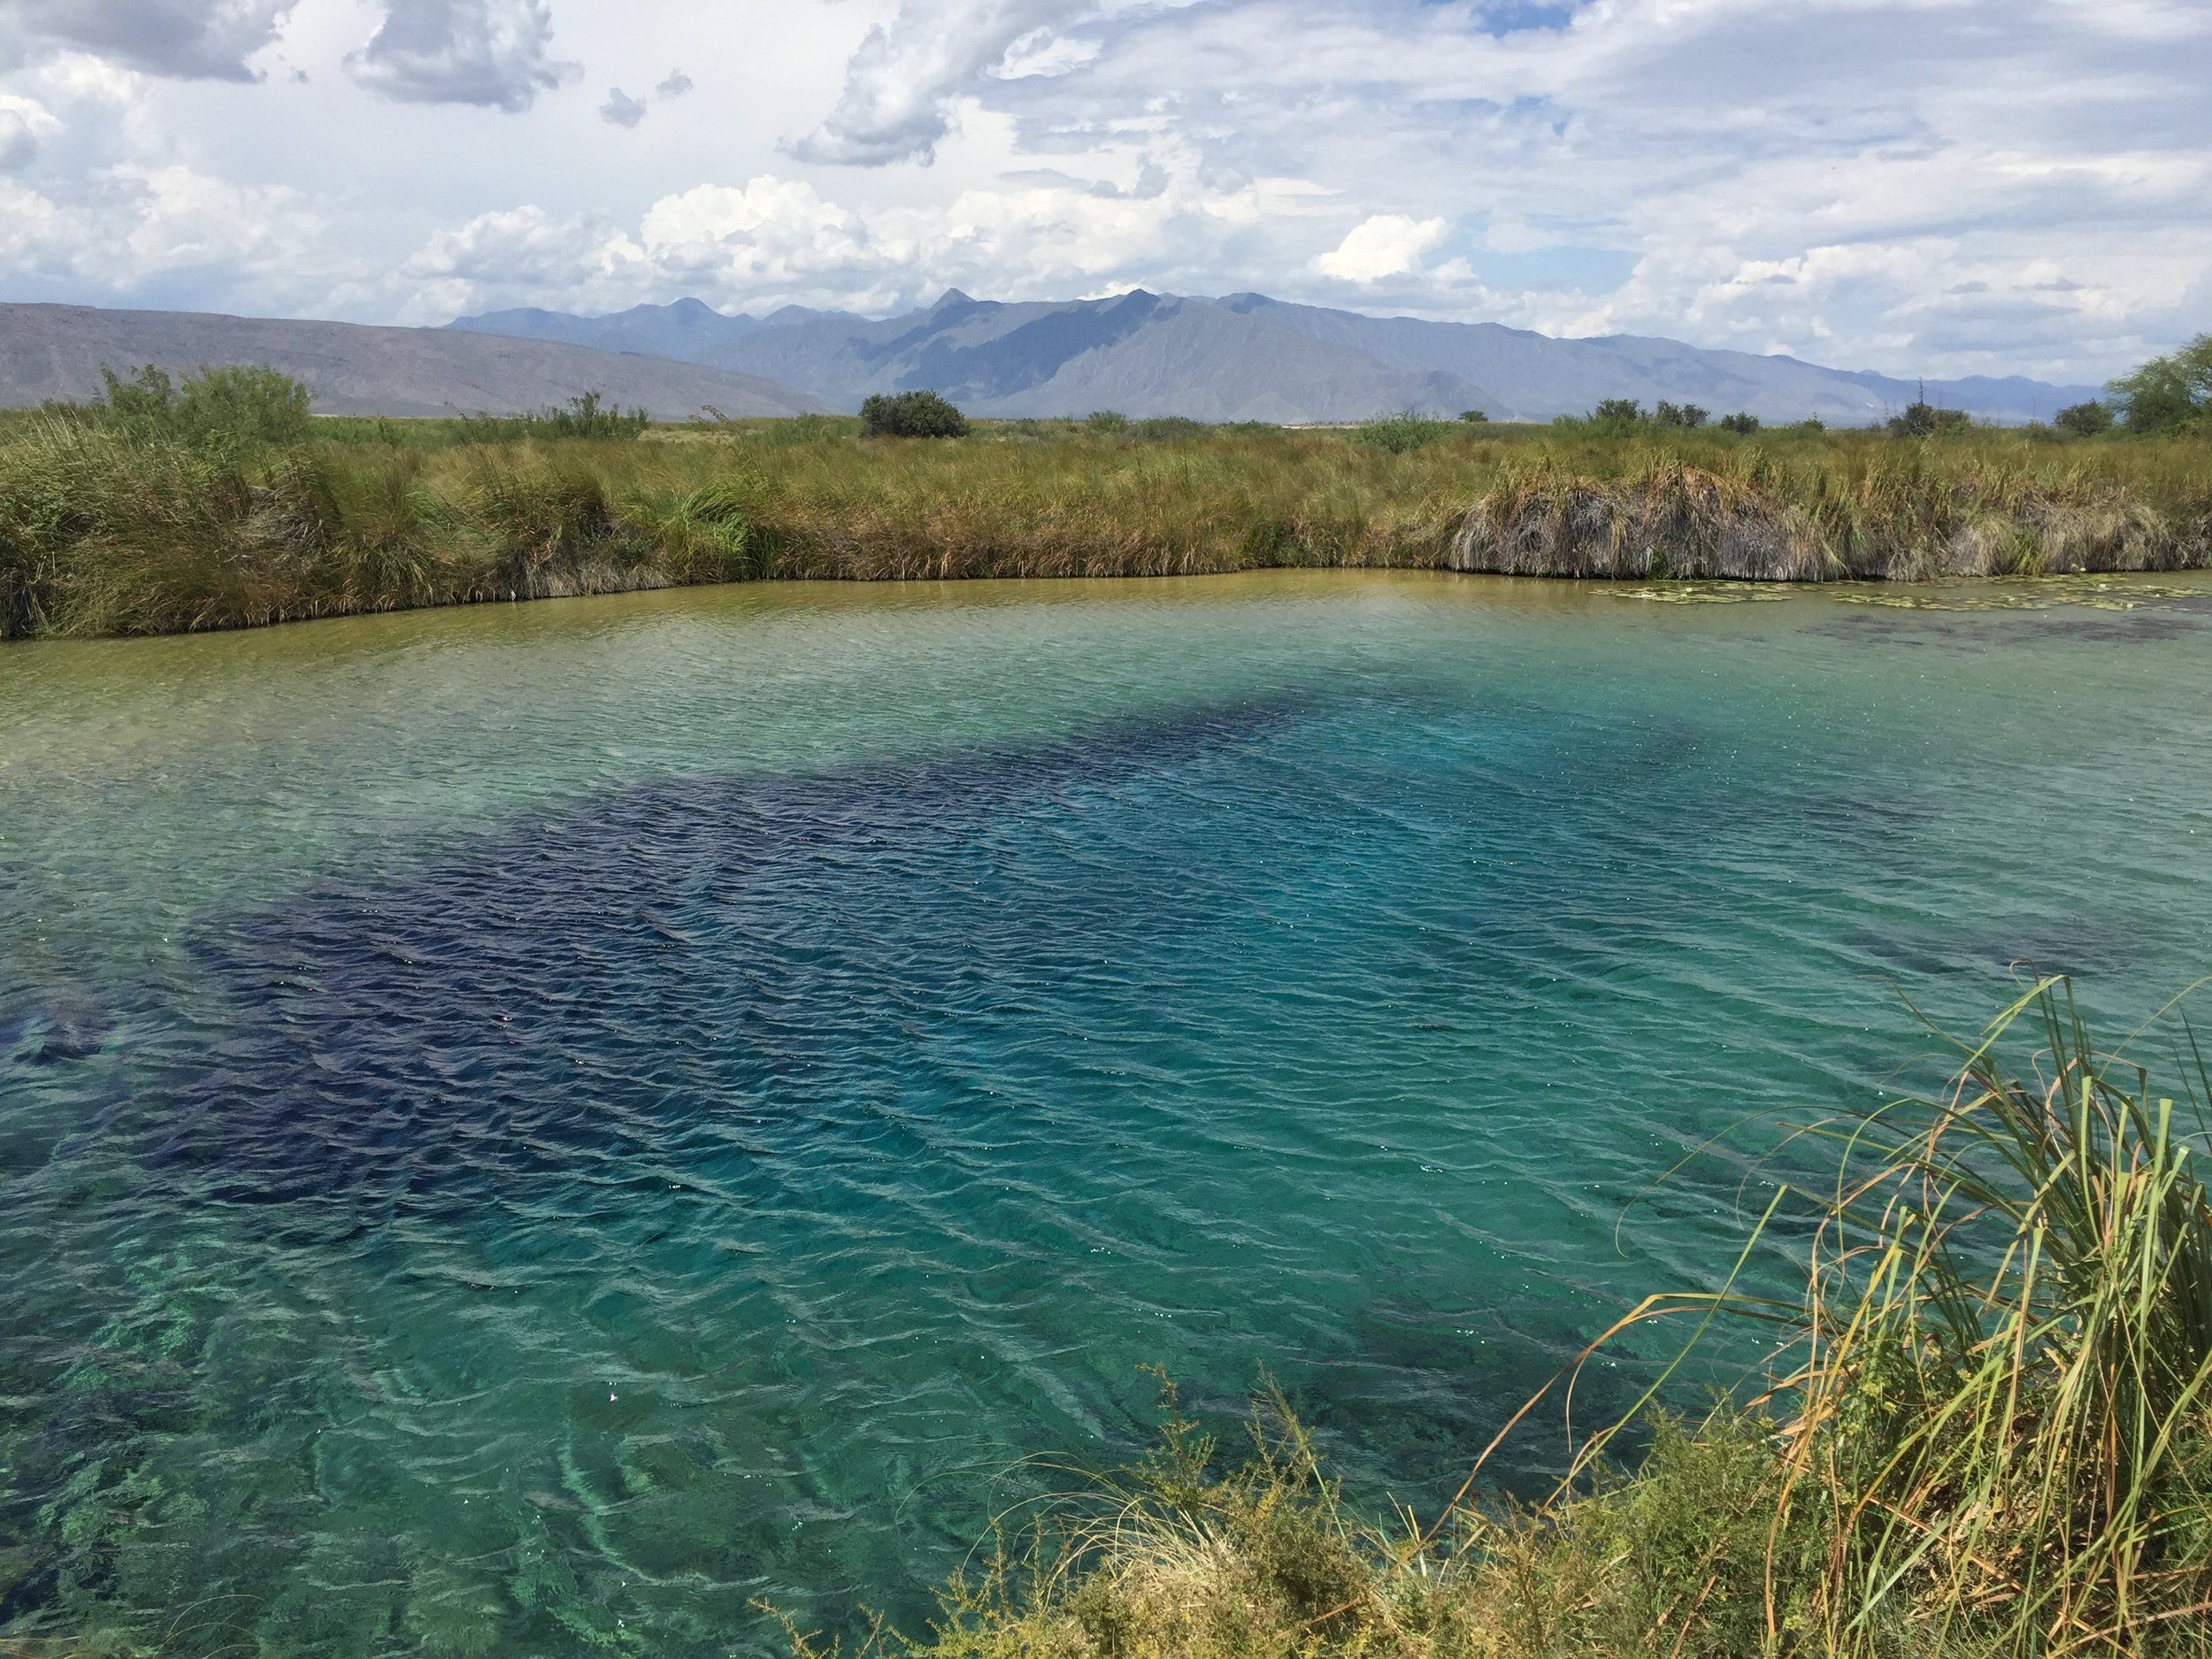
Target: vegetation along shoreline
x=220, y=502
x=1978, y=1430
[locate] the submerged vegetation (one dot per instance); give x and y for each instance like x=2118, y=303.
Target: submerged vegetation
x=1984, y=1430
x=218, y=502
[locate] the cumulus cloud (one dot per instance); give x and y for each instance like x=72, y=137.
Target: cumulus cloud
x=496, y=53
x=1388, y=245
x=17, y=143
x=677, y=84
x=23, y=122
x=134, y=226
x=191, y=39
x=622, y=110
x=899, y=88
x=775, y=240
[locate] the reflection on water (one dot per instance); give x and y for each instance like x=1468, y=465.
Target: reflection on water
x=524, y=1129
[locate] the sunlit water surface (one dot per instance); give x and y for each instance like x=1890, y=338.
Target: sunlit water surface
x=524, y=1129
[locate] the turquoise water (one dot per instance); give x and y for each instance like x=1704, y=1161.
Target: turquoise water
x=524, y=1129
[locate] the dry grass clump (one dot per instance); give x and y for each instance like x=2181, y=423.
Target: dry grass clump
x=1667, y=519
x=1887, y=513
x=1986, y=1433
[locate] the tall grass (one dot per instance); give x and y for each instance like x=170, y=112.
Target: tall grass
x=2001, y=1410
x=109, y=530
x=1984, y=1431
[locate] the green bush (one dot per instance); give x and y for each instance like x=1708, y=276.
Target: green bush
x=1107, y=420
x=1688, y=416
x=1617, y=417
x=1170, y=427
x=2085, y=421
x=1742, y=425
x=1401, y=434
x=587, y=416
x=1923, y=420
x=1474, y=417
x=910, y=415
x=241, y=404
x=2170, y=395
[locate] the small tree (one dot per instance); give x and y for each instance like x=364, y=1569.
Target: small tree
x=911, y=415
x=1474, y=417
x=1617, y=415
x=2085, y=421
x=239, y=404
x=1685, y=415
x=591, y=416
x=1923, y=420
x=1741, y=424
x=2171, y=394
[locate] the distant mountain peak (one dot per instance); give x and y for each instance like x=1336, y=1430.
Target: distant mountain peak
x=1248, y=355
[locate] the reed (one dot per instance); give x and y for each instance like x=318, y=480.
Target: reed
x=109, y=527
x=1983, y=1431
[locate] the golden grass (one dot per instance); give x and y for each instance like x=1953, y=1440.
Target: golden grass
x=104, y=532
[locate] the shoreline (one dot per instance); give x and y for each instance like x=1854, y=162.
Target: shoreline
x=102, y=535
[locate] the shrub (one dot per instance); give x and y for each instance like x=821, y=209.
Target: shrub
x=1688, y=416
x=1401, y=434
x=1474, y=417
x=2170, y=395
x=2085, y=421
x=1107, y=420
x=587, y=417
x=1170, y=427
x=910, y=415
x=1923, y=420
x=1742, y=425
x=241, y=405
x=1616, y=416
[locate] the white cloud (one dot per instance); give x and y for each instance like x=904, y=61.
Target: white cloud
x=497, y=53
x=192, y=39
x=1388, y=245
x=899, y=88
x=1043, y=54
x=621, y=109
x=23, y=122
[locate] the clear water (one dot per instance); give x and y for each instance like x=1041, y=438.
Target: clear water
x=524, y=1129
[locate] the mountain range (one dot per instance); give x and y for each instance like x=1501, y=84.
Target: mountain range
x=58, y=352
x=1245, y=357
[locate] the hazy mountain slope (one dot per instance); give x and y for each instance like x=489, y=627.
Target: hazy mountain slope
x=1540, y=376
x=1140, y=353
x=57, y=351
x=1251, y=357
x=687, y=329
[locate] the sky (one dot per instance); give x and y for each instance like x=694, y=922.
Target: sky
x=1931, y=188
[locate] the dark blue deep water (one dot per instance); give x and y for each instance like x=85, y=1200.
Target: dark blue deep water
x=524, y=1130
